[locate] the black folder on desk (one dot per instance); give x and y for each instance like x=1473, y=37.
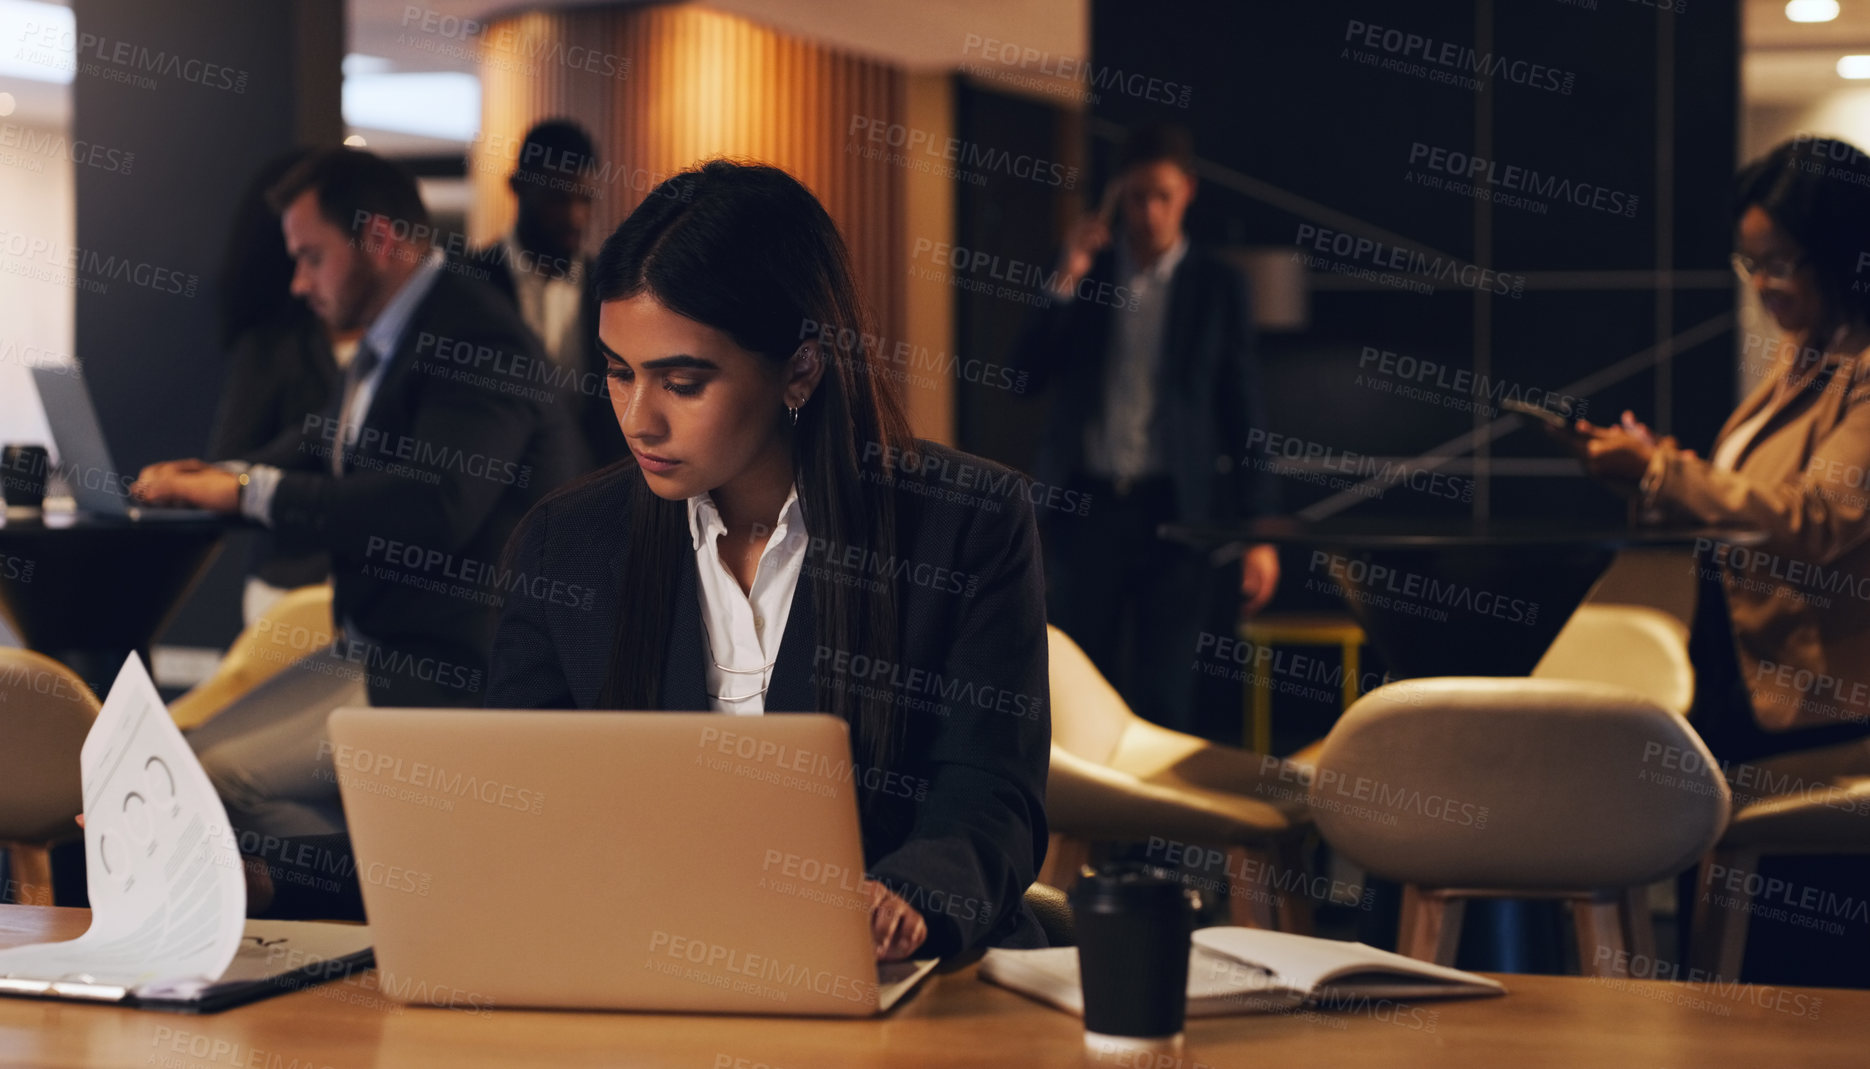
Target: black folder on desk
x=274, y=957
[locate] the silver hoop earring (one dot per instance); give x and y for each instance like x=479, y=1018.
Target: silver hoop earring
x=795, y=414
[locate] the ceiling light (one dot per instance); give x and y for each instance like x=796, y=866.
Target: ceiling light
x=40, y=41
x=443, y=104
x=359, y=63
x=1854, y=67
x=1812, y=10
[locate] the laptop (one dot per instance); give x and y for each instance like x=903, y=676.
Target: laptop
x=97, y=485
x=616, y=861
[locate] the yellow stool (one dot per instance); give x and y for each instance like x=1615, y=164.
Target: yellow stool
x=1296, y=629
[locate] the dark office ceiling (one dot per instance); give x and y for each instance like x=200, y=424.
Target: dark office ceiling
x=918, y=34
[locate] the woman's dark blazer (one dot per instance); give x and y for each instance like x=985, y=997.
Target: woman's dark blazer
x=963, y=841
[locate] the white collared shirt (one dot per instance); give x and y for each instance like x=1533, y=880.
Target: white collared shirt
x=1727, y=454
x=548, y=303
x=744, y=632
x=1120, y=444
x=385, y=334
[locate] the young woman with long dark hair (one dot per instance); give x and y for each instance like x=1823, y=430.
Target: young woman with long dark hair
x=778, y=541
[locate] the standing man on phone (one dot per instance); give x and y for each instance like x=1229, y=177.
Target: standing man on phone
x=1146, y=344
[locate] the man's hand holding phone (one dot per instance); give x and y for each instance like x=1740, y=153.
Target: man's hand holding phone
x=1086, y=238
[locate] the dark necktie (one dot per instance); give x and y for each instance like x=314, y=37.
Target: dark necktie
x=362, y=364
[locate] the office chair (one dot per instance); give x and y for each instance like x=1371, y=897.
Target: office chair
x=1519, y=788
x=1118, y=777
x=45, y=712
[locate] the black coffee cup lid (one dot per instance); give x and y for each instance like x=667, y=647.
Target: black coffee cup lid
x=1128, y=886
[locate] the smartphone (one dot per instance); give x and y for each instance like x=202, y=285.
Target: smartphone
x=1107, y=208
x=1552, y=420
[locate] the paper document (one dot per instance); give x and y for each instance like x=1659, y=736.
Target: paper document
x=168, y=895
x=1323, y=968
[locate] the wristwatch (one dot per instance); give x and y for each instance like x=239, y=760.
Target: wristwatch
x=240, y=492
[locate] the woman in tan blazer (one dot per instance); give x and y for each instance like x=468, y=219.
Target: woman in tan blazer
x=1793, y=461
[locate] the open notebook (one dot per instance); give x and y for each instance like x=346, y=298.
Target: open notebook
x=167, y=886
x=1246, y=970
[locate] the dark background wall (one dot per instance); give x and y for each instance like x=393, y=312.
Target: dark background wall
x=1294, y=130
x=203, y=93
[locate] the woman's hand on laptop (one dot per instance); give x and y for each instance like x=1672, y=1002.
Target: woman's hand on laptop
x=895, y=926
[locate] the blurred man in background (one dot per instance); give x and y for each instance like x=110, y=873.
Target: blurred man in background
x=282, y=362
x=411, y=479
x=1146, y=346
x=540, y=266
x=412, y=453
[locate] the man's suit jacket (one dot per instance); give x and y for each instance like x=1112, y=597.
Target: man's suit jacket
x=967, y=837
x=1800, y=602
x=449, y=457
x=277, y=372
x=588, y=396
x=1208, y=386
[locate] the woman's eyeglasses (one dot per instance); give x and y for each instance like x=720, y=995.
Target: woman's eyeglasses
x=1775, y=269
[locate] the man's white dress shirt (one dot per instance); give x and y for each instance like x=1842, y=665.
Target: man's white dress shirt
x=1121, y=446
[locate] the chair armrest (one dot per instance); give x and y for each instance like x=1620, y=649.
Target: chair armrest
x=1171, y=759
x=1093, y=801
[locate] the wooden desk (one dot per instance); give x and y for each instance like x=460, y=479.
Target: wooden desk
x=953, y=1021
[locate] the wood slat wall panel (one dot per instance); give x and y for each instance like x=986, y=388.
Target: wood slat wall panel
x=700, y=83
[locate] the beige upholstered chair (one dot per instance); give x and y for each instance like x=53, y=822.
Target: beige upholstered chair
x=1632, y=630
x=1810, y=802
x=1117, y=777
x=1519, y=788
x=1660, y=578
x=292, y=627
x=45, y=712
x=1630, y=646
